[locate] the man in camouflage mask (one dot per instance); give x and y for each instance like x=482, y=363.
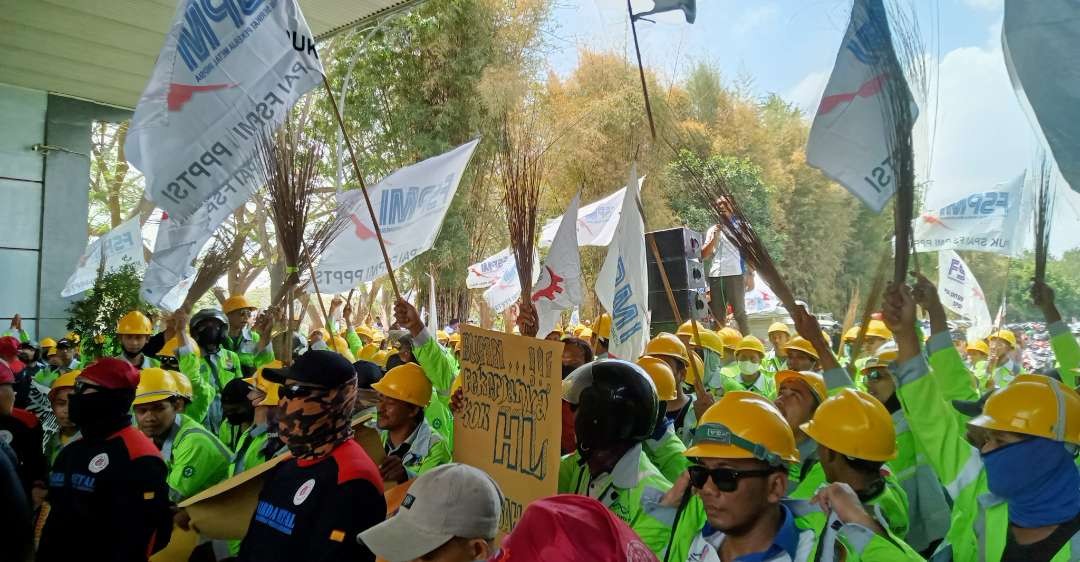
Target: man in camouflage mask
x=313, y=505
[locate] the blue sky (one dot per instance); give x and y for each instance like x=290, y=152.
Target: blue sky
x=980, y=135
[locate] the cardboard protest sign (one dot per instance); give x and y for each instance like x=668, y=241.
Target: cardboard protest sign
x=510, y=424
x=224, y=510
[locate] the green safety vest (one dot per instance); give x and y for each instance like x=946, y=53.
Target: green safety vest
x=628, y=491
x=427, y=450
x=245, y=346
x=667, y=454
x=441, y=368
x=195, y=457
x=764, y=385
x=928, y=508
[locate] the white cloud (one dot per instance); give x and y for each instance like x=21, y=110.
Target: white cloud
x=753, y=19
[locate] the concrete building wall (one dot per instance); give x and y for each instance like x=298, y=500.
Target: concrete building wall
x=44, y=200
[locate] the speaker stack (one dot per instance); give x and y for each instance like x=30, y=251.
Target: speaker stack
x=680, y=253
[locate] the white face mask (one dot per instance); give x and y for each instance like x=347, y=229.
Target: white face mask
x=749, y=367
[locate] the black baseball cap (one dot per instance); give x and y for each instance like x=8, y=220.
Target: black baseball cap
x=319, y=367
x=65, y=344
x=367, y=373
x=972, y=408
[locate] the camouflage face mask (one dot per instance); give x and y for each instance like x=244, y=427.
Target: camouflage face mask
x=313, y=425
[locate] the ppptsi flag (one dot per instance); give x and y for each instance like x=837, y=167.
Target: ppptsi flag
x=119, y=246
x=410, y=205
x=559, y=285
x=622, y=286
x=1040, y=40
x=486, y=273
x=960, y=292
x=226, y=73
x=596, y=221
x=994, y=220
x=850, y=138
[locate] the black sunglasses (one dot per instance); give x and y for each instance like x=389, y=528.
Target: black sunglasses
x=725, y=479
x=293, y=391
x=875, y=374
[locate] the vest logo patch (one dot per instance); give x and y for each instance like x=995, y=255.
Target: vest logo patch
x=303, y=491
x=6, y=436
x=98, y=463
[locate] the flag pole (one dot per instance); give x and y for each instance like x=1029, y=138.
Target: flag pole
x=641, y=72
x=363, y=187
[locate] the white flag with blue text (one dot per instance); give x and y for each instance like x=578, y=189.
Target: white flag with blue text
x=622, y=286
x=559, y=285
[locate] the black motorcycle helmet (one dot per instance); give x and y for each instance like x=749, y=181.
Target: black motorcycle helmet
x=206, y=332
x=616, y=403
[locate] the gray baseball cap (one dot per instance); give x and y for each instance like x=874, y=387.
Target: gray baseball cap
x=453, y=500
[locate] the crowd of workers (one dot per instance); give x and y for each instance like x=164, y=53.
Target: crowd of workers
x=712, y=446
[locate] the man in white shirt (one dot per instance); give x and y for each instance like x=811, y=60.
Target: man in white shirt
x=727, y=275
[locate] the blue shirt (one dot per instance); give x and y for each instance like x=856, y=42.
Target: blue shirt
x=786, y=539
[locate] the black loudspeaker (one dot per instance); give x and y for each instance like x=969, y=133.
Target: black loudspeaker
x=681, y=274
x=689, y=301
x=674, y=244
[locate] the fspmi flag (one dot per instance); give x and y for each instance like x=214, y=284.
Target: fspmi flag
x=119, y=246
x=228, y=71
x=849, y=140
x=559, y=285
x=995, y=220
x=622, y=286
x=960, y=292
x=410, y=205
x=596, y=221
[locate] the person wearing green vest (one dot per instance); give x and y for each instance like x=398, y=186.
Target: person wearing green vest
x=977, y=354
x=252, y=346
x=664, y=447
x=134, y=330
x=1002, y=366
x=1009, y=471
x=798, y=395
x=1062, y=342
x=731, y=506
x=668, y=348
x=412, y=446
x=66, y=430
x=209, y=327
x=439, y=365
x=776, y=360
x=615, y=411
x=855, y=438
x=195, y=458
x=259, y=442
x=237, y=412
x=749, y=355
x=928, y=508
x=801, y=355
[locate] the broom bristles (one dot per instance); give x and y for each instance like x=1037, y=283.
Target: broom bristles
x=521, y=162
x=1044, y=207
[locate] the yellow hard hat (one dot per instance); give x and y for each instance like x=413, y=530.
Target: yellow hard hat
x=47, y=343
x=407, y=383
x=1005, y=335
x=661, y=375
x=980, y=346
x=183, y=385
x=442, y=337
x=744, y=425
x=65, y=380
x=699, y=365
x=366, y=331
x=666, y=344
x=1034, y=405
x=828, y=338
x=170, y=347
x=578, y=329
x=341, y=345
x=50, y=351
x=798, y=343
x=380, y=358
x=814, y=381
x=878, y=329
x=602, y=326
x=154, y=385
x=779, y=327
x=850, y=335
x=750, y=343
x=73, y=337
x=584, y=333
x=319, y=331
x=135, y=323
x=887, y=353
x=377, y=336
x=456, y=384
x=235, y=302
x=706, y=337
x=455, y=340
x=854, y=424
x=368, y=352
x=730, y=336
x=272, y=390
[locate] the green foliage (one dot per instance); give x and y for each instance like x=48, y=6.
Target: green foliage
x=96, y=314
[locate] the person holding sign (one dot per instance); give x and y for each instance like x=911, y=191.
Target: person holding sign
x=615, y=410
x=731, y=502
x=412, y=446
x=313, y=505
x=450, y=514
